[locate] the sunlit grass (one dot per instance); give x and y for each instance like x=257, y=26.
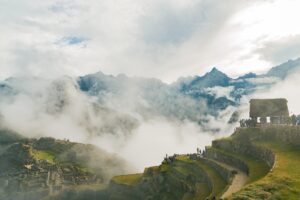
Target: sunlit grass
x=257, y=167
x=219, y=184
x=43, y=155
x=131, y=179
x=283, y=182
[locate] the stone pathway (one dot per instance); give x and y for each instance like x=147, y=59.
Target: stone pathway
x=238, y=182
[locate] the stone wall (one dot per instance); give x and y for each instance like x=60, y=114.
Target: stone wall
x=226, y=174
x=242, y=141
x=246, y=147
x=281, y=133
x=215, y=154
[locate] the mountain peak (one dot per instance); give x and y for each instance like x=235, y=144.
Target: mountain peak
x=214, y=69
x=213, y=78
x=215, y=72
x=248, y=75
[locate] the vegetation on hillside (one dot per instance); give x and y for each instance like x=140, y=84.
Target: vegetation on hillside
x=284, y=180
x=36, y=168
x=269, y=156
x=252, y=150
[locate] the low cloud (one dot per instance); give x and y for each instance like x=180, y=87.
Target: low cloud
x=141, y=129
x=281, y=50
x=153, y=139
x=263, y=80
x=288, y=89
x=219, y=91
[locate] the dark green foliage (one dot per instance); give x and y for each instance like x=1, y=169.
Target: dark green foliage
x=80, y=195
x=8, y=137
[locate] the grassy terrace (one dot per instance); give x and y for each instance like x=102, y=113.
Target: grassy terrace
x=130, y=179
x=182, y=168
x=202, y=189
x=283, y=182
x=257, y=167
x=219, y=184
x=202, y=193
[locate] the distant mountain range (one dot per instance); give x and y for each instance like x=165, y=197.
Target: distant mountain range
x=122, y=101
x=197, y=87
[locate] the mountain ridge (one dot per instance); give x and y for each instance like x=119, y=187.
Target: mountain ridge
x=198, y=99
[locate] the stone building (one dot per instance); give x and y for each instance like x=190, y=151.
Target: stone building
x=273, y=111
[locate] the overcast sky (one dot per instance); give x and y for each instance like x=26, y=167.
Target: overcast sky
x=165, y=39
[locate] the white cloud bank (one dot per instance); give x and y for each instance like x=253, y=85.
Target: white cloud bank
x=162, y=39
x=289, y=89
x=122, y=123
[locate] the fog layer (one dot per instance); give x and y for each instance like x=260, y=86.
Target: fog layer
x=124, y=123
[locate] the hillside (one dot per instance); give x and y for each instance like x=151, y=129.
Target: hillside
x=35, y=168
x=253, y=163
x=283, y=182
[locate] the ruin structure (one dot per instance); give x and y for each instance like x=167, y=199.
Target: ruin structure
x=274, y=111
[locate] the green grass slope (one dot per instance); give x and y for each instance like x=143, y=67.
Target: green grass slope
x=257, y=168
x=270, y=156
x=284, y=180
x=185, y=178
x=219, y=184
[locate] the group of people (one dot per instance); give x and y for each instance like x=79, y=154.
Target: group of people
x=169, y=159
x=247, y=123
x=292, y=120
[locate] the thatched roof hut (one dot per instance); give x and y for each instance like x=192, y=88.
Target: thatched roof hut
x=268, y=108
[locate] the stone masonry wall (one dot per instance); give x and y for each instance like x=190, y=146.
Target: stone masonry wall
x=215, y=154
x=224, y=172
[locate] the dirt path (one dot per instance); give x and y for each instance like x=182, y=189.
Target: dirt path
x=239, y=180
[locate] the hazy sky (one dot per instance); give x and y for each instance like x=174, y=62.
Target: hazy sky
x=153, y=38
